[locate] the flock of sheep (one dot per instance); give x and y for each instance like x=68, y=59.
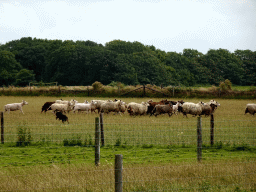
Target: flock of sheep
x=118, y=106
x=133, y=108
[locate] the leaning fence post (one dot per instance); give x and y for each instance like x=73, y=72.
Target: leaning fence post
x=118, y=173
x=97, y=141
x=212, y=130
x=199, y=138
x=102, y=130
x=2, y=127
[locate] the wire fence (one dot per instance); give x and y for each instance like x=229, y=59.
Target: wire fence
x=158, y=154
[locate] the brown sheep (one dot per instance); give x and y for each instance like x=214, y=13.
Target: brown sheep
x=162, y=109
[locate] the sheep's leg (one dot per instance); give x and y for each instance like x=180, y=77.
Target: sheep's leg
x=21, y=111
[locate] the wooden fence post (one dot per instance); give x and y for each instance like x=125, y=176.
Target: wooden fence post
x=199, y=138
x=2, y=127
x=144, y=91
x=97, y=141
x=102, y=130
x=118, y=173
x=212, y=130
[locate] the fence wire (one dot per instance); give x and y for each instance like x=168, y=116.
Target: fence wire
x=159, y=154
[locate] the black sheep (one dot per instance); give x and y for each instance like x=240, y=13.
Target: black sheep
x=62, y=117
x=47, y=106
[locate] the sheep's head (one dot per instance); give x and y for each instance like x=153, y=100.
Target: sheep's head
x=214, y=102
x=24, y=102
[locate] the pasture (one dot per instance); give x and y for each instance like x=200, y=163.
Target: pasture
x=229, y=118
x=145, y=142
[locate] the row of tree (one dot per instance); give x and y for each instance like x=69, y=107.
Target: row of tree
x=84, y=62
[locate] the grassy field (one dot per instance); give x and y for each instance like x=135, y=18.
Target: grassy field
x=159, y=153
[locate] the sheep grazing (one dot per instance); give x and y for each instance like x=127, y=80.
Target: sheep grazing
x=46, y=106
x=192, y=108
x=250, y=108
x=163, y=109
x=15, y=106
x=107, y=107
x=61, y=117
x=137, y=109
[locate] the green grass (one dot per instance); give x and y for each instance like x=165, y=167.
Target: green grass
x=58, y=154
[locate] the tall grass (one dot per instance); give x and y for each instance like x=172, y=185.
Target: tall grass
x=120, y=90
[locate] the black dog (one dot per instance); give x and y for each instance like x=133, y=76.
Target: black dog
x=62, y=117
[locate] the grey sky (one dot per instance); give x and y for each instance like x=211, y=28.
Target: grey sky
x=169, y=25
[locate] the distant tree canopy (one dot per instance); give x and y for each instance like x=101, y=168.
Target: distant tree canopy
x=131, y=63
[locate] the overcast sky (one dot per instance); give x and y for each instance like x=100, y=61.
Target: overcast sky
x=169, y=25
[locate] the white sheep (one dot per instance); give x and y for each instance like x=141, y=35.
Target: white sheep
x=107, y=107
x=70, y=103
x=213, y=102
x=84, y=107
x=123, y=107
x=60, y=107
x=15, y=106
x=137, y=109
x=176, y=107
x=99, y=102
x=250, y=108
x=192, y=108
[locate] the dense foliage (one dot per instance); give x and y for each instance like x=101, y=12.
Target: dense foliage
x=84, y=62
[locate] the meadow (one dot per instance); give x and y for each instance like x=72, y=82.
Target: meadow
x=159, y=152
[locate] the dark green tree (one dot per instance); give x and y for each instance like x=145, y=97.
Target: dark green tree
x=68, y=64
x=248, y=59
x=224, y=65
x=8, y=67
x=33, y=58
x=23, y=77
x=125, y=47
x=183, y=74
x=150, y=69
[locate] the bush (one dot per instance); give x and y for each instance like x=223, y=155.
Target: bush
x=226, y=85
x=24, y=137
x=97, y=85
x=74, y=141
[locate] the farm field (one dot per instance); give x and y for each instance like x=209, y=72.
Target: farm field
x=158, y=151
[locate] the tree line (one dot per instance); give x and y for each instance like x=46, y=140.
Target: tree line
x=84, y=62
